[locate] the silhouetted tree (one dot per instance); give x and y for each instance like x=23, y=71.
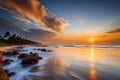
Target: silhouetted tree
x=7, y=34
x=0, y=36
x=15, y=39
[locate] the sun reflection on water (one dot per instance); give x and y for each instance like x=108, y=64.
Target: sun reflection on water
x=92, y=73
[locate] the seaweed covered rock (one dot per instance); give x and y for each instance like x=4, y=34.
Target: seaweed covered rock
x=31, y=59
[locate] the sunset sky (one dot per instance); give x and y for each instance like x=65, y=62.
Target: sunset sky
x=62, y=21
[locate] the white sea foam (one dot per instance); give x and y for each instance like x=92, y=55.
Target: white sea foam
x=24, y=72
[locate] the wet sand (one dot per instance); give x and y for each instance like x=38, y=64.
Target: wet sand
x=6, y=48
x=55, y=69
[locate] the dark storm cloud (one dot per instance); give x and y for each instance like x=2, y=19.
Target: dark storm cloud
x=32, y=11
x=115, y=31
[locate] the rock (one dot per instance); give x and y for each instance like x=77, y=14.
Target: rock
x=6, y=71
x=3, y=74
x=31, y=59
x=21, y=56
x=1, y=59
x=23, y=50
x=38, y=49
x=11, y=74
x=44, y=50
x=40, y=58
x=49, y=50
x=31, y=53
x=7, y=61
x=7, y=53
x=15, y=52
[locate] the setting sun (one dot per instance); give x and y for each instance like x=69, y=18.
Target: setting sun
x=92, y=40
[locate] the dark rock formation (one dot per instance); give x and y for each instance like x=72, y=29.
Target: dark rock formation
x=7, y=53
x=21, y=56
x=31, y=59
x=11, y=74
x=7, y=61
x=45, y=50
x=40, y=58
x=15, y=52
x=1, y=59
x=6, y=71
x=3, y=74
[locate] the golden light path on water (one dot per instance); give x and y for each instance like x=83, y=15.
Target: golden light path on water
x=92, y=73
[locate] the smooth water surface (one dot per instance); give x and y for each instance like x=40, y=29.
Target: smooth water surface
x=70, y=63
x=91, y=63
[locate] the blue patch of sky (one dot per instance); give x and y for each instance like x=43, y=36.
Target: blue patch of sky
x=21, y=24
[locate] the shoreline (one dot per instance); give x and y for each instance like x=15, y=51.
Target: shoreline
x=28, y=49
x=5, y=48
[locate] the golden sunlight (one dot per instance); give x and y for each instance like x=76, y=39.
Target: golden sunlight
x=92, y=73
x=92, y=40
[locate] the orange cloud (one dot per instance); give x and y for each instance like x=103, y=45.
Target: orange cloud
x=32, y=11
x=115, y=31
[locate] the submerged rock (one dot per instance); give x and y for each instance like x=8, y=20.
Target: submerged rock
x=11, y=74
x=31, y=59
x=7, y=61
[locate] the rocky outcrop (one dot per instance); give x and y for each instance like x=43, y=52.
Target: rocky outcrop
x=3, y=74
x=1, y=59
x=7, y=61
x=31, y=59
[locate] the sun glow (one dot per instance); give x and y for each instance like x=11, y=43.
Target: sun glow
x=92, y=40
